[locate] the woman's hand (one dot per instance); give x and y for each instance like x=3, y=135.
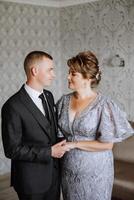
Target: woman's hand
x=92, y=146
x=71, y=145
x=59, y=149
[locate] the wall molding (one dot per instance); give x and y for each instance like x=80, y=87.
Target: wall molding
x=51, y=3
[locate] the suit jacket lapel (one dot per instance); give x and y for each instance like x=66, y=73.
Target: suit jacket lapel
x=38, y=115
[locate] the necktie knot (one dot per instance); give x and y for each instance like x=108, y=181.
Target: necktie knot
x=41, y=96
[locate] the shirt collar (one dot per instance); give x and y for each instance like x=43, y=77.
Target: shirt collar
x=32, y=92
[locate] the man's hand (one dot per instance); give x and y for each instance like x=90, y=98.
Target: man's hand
x=59, y=149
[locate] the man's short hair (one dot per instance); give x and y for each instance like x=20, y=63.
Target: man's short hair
x=34, y=57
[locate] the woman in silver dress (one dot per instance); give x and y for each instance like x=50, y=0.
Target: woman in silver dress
x=91, y=123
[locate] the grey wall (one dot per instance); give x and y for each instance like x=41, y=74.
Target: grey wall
x=105, y=27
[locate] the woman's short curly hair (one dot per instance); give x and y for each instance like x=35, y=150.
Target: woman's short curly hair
x=87, y=64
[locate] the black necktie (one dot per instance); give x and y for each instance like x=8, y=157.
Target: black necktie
x=45, y=106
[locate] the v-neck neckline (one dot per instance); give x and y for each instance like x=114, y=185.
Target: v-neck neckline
x=87, y=108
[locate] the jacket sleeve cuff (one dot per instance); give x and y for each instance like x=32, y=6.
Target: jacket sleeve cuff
x=44, y=155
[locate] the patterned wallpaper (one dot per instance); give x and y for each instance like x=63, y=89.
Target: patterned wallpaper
x=105, y=27
x=24, y=28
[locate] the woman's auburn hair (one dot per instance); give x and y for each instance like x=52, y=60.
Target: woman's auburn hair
x=87, y=64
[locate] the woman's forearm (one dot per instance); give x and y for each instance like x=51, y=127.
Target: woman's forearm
x=91, y=145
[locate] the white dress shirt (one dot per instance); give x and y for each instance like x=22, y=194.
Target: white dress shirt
x=34, y=95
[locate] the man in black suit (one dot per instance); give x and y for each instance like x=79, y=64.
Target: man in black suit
x=29, y=128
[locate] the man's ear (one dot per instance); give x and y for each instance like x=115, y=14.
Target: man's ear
x=34, y=71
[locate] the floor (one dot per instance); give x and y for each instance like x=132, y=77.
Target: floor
x=6, y=192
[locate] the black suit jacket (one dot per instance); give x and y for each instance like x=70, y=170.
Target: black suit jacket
x=27, y=139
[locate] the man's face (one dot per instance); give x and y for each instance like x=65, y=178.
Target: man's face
x=45, y=73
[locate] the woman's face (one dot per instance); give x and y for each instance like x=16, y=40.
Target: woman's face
x=76, y=80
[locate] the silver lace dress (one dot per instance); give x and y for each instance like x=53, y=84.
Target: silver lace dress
x=89, y=175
